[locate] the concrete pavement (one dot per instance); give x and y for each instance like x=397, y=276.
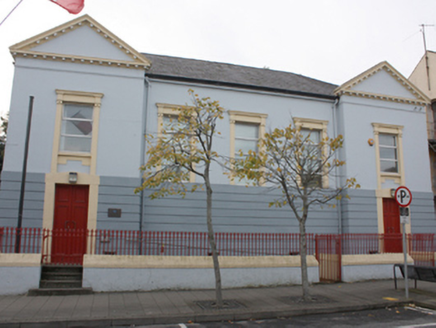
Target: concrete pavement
x=142, y=308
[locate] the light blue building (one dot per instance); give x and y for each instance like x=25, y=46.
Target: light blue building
x=96, y=98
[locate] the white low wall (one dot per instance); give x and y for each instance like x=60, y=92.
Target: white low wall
x=19, y=273
x=117, y=273
x=368, y=267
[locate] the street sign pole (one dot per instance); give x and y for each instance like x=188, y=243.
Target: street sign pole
x=403, y=196
x=406, y=272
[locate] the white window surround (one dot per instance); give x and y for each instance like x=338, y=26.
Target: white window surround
x=397, y=131
x=76, y=130
x=388, y=147
x=76, y=98
x=169, y=110
x=314, y=136
x=317, y=125
x=244, y=118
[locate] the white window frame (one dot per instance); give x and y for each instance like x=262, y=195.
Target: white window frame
x=397, y=131
x=316, y=125
x=244, y=118
x=66, y=119
x=82, y=98
x=172, y=111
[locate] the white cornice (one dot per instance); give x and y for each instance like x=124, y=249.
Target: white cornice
x=24, y=48
x=345, y=89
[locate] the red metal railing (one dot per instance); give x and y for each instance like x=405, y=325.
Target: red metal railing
x=112, y=242
x=422, y=248
x=26, y=240
x=64, y=246
x=68, y=246
x=371, y=243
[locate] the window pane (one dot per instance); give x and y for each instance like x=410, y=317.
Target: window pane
x=81, y=112
x=76, y=128
x=312, y=182
x=249, y=131
x=315, y=135
x=389, y=166
x=246, y=138
x=171, y=124
x=387, y=140
x=245, y=146
x=388, y=153
x=76, y=144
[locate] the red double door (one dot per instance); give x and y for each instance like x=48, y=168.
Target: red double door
x=391, y=218
x=70, y=224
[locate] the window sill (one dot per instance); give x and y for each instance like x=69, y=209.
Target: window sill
x=85, y=158
x=76, y=154
x=396, y=177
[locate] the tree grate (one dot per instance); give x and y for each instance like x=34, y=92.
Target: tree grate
x=299, y=299
x=228, y=305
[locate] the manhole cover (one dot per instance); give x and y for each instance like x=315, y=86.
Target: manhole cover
x=228, y=305
x=299, y=299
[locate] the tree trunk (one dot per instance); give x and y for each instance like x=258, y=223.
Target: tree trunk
x=303, y=260
x=216, y=265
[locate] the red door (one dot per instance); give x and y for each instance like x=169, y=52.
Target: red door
x=391, y=220
x=70, y=224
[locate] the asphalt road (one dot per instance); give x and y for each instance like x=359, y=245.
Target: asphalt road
x=407, y=317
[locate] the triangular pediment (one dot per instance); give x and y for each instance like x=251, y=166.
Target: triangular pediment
x=82, y=40
x=383, y=82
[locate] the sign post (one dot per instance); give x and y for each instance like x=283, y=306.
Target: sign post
x=403, y=196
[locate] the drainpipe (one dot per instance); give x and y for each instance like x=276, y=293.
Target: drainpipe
x=335, y=106
x=143, y=133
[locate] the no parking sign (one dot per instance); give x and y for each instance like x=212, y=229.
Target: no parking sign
x=403, y=196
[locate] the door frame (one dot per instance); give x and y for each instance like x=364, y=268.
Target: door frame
x=51, y=179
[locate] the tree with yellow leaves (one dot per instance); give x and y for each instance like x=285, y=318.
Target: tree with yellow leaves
x=185, y=147
x=298, y=162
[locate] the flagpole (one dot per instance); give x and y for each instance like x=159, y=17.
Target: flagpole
x=11, y=12
x=23, y=178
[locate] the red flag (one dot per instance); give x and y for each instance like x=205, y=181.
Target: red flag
x=72, y=6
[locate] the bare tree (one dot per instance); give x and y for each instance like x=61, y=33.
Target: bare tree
x=299, y=163
x=186, y=147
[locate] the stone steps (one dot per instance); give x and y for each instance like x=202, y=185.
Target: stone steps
x=60, y=280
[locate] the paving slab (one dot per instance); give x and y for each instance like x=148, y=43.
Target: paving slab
x=160, y=307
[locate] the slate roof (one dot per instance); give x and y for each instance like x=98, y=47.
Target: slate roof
x=236, y=76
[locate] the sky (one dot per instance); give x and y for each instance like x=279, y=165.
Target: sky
x=329, y=40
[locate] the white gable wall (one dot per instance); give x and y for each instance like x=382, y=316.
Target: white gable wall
x=383, y=83
x=83, y=42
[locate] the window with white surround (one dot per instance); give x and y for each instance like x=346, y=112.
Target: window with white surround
x=313, y=156
x=315, y=131
x=169, y=124
x=246, y=129
x=246, y=138
x=388, y=153
x=76, y=128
